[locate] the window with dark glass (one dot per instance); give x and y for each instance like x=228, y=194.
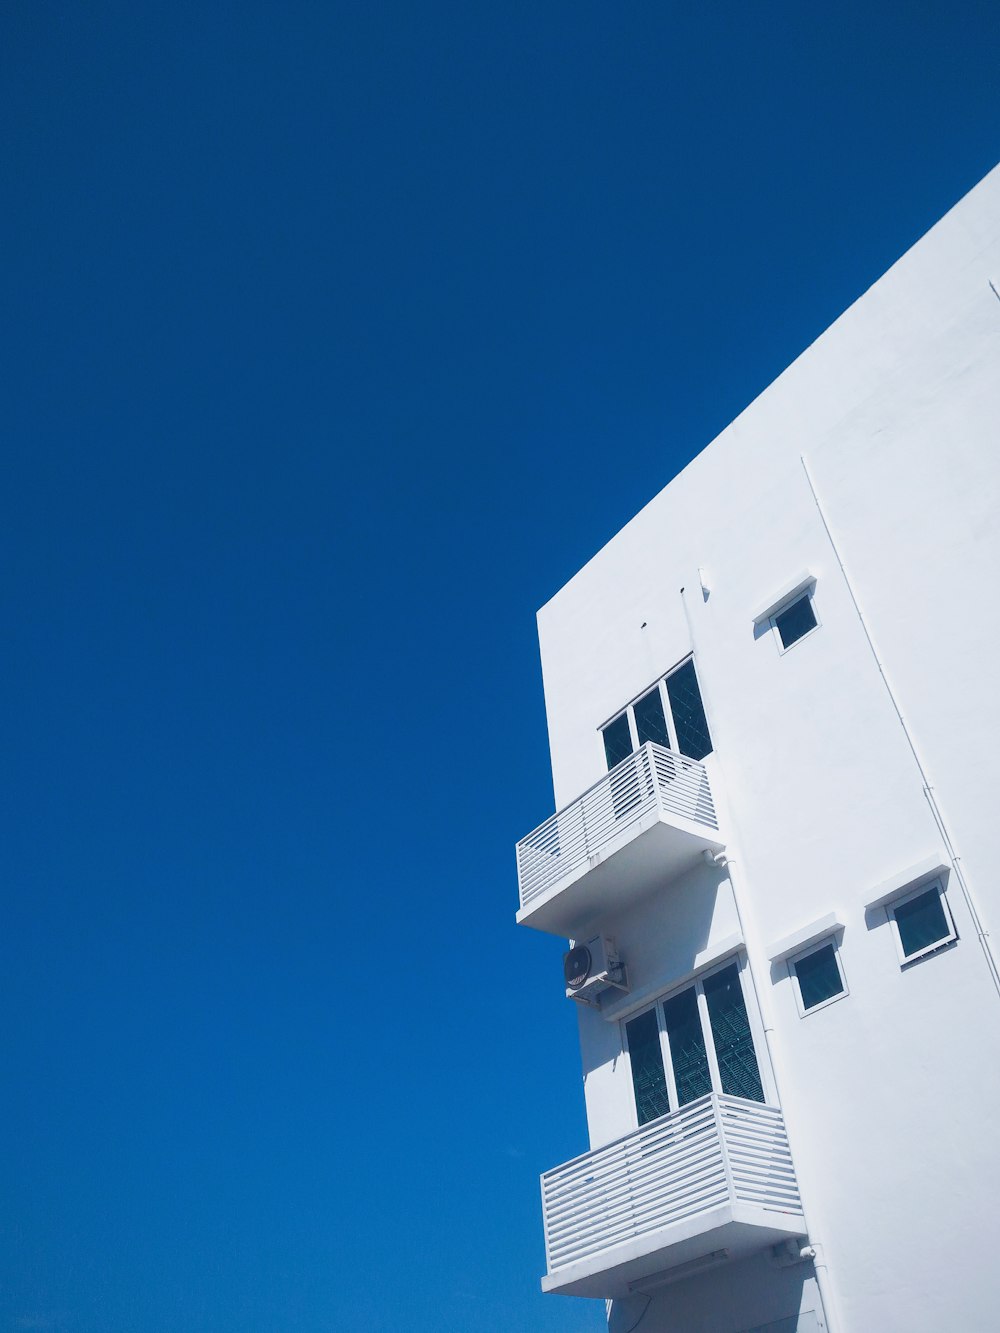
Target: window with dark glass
x=650, y=723
x=727, y=1013
x=648, y=1080
x=617, y=741
x=671, y=714
x=922, y=922
x=688, y=713
x=795, y=621
x=818, y=976
x=671, y=1046
x=686, y=1042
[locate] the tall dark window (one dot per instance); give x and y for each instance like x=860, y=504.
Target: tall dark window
x=617, y=741
x=648, y=1080
x=727, y=1013
x=650, y=723
x=687, y=1046
x=688, y=711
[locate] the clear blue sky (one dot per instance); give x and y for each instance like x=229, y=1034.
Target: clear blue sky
x=335, y=338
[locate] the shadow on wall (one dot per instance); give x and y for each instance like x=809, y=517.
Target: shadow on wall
x=661, y=940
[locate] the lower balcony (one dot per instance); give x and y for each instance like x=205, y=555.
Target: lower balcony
x=645, y=822
x=711, y=1182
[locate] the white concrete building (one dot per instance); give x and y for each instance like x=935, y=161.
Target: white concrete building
x=774, y=720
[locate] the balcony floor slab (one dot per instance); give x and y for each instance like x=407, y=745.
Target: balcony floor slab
x=644, y=857
x=738, y=1229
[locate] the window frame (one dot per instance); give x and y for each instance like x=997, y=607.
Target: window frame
x=661, y=685
x=917, y=891
x=696, y=982
x=805, y=952
x=807, y=593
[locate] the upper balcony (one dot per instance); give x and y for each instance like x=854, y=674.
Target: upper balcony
x=711, y=1182
x=644, y=822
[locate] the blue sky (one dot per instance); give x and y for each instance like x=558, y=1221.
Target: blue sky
x=336, y=338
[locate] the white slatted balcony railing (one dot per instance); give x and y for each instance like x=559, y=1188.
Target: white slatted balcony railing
x=712, y=1179
x=643, y=823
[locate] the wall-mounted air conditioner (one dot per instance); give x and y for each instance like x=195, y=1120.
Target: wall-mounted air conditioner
x=591, y=967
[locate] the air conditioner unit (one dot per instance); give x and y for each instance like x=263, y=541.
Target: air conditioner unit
x=591, y=967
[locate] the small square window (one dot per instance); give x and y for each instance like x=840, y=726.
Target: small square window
x=922, y=922
x=819, y=977
x=795, y=620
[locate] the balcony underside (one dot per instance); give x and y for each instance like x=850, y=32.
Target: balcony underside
x=629, y=866
x=737, y=1229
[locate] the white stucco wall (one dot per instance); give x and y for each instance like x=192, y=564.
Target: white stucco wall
x=891, y=1095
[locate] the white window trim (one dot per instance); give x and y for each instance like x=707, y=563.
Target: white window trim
x=890, y=910
x=806, y=592
x=804, y=953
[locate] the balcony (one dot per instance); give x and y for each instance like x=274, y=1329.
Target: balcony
x=711, y=1182
x=643, y=823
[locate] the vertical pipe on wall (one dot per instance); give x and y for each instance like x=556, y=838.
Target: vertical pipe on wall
x=956, y=860
x=819, y=1264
